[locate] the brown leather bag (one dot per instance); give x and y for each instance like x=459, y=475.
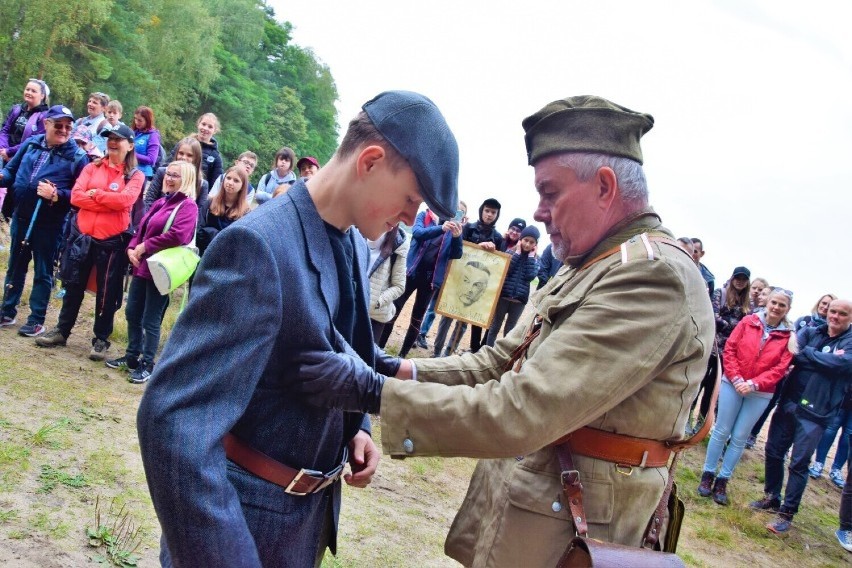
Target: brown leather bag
x=586, y=552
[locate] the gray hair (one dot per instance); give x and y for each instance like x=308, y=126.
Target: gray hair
x=631, y=178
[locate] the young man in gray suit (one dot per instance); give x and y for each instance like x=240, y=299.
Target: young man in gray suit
x=242, y=472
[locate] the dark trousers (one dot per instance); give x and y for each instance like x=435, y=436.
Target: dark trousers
x=108, y=299
x=786, y=429
x=455, y=337
x=846, y=497
x=758, y=426
x=419, y=283
x=378, y=329
x=508, y=310
x=42, y=250
x=477, y=339
x=144, y=312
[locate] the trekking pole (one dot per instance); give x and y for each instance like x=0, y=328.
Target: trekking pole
x=24, y=244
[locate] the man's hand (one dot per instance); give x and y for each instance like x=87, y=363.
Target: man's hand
x=487, y=245
x=363, y=459
x=405, y=371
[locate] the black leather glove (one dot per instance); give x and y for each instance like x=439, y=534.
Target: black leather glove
x=387, y=365
x=339, y=380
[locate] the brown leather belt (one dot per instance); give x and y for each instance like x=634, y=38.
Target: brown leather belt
x=294, y=482
x=617, y=448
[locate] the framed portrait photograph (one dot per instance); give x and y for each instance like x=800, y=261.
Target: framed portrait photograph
x=472, y=285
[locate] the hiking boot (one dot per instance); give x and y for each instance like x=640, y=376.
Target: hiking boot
x=769, y=503
x=705, y=488
x=837, y=478
x=781, y=525
x=31, y=330
x=123, y=363
x=752, y=440
x=52, y=338
x=99, y=349
x=142, y=373
x=720, y=491
x=815, y=471
x=421, y=342
x=6, y=321
x=845, y=539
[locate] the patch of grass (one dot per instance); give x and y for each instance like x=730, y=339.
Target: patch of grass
x=689, y=559
x=18, y=534
x=42, y=522
x=47, y=435
x=50, y=477
x=710, y=531
x=92, y=414
x=105, y=467
x=10, y=515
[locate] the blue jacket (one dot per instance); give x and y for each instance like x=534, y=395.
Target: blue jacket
x=62, y=164
x=425, y=229
x=522, y=270
x=820, y=377
x=548, y=266
x=266, y=290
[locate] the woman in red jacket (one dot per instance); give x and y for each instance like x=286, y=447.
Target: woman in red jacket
x=757, y=355
x=104, y=194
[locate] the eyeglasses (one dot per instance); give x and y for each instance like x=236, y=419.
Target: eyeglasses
x=172, y=175
x=783, y=291
x=248, y=163
x=63, y=126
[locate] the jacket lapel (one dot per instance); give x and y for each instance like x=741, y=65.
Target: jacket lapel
x=316, y=242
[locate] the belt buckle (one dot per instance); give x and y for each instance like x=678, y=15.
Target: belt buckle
x=334, y=474
x=303, y=471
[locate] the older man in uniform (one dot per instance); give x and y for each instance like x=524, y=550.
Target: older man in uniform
x=612, y=354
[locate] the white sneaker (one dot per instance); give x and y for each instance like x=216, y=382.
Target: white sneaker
x=815, y=471
x=837, y=478
x=844, y=538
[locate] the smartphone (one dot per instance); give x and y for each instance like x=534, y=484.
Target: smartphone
x=459, y=216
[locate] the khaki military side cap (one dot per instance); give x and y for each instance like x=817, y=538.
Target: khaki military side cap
x=585, y=124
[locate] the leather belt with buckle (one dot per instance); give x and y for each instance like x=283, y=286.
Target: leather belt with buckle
x=295, y=482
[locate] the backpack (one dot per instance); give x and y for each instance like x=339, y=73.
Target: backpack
x=162, y=158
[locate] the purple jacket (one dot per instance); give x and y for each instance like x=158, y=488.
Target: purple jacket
x=35, y=125
x=151, y=228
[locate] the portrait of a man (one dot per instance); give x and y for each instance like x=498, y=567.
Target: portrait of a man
x=472, y=286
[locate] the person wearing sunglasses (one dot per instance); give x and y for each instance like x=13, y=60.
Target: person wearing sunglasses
x=40, y=176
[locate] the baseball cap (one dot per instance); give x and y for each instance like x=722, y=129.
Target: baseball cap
x=741, y=271
x=308, y=159
x=413, y=125
x=82, y=133
x=121, y=131
x=58, y=111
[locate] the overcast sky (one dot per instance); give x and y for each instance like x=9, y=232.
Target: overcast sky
x=752, y=103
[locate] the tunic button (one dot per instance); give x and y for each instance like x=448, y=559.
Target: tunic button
x=408, y=446
x=556, y=506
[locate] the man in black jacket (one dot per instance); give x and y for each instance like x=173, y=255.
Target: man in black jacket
x=483, y=233
x=812, y=396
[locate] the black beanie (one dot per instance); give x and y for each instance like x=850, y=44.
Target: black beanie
x=531, y=231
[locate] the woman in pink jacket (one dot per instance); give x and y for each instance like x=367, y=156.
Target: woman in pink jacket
x=757, y=355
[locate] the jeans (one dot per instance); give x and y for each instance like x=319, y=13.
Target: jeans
x=44, y=242
x=429, y=318
x=758, y=426
x=842, y=420
x=737, y=414
x=788, y=429
x=505, y=309
x=455, y=337
x=846, y=496
x=144, y=312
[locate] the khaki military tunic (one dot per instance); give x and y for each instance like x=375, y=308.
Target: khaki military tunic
x=623, y=348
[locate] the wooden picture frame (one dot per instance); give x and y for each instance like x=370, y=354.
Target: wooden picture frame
x=472, y=285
